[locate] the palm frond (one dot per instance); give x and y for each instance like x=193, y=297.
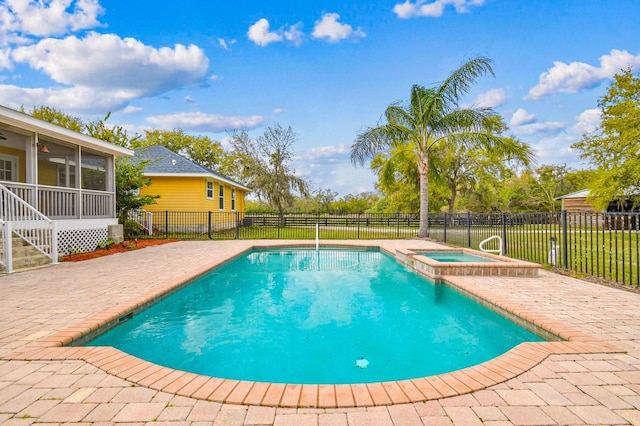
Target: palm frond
x=368, y=143
x=460, y=81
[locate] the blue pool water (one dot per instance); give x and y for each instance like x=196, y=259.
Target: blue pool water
x=454, y=257
x=306, y=316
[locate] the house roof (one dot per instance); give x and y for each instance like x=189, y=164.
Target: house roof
x=164, y=162
x=20, y=122
x=584, y=193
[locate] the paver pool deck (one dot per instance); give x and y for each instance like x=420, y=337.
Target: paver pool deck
x=592, y=378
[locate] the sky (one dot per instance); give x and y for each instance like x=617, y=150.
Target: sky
x=326, y=68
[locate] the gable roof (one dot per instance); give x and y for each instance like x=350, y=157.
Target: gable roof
x=164, y=162
x=20, y=122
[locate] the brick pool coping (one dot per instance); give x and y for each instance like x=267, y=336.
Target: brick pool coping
x=143, y=373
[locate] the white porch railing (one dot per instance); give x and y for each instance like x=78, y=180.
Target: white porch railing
x=20, y=218
x=58, y=202
x=143, y=218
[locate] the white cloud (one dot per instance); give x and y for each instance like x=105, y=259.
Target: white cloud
x=188, y=99
x=330, y=167
x=294, y=34
x=588, y=121
x=68, y=99
x=259, y=33
x=107, y=62
x=278, y=111
x=546, y=128
x=131, y=109
x=43, y=18
x=556, y=150
x=5, y=59
x=491, y=99
x=325, y=152
x=199, y=121
x=522, y=117
x=226, y=45
x=433, y=9
x=576, y=76
x=333, y=31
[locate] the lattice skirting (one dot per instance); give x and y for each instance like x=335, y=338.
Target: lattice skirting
x=80, y=240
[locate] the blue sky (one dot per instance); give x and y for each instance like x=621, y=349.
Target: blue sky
x=328, y=69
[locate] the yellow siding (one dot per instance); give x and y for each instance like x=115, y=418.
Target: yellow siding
x=47, y=173
x=189, y=194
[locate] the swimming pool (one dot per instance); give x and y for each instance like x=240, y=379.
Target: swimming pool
x=306, y=316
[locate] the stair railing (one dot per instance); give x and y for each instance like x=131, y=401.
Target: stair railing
x=21, y=219
x=486, y=250
x=143, y=218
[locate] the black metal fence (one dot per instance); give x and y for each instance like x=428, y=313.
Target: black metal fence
x=604, y=245
x=217, y=226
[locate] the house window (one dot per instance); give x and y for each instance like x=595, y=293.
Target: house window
x=8, y=167
x=221, y=196
x=233, y=199
x=210, y=190
x=66, y=176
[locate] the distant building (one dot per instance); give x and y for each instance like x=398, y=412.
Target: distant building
x=185, y=186
x=576, y=201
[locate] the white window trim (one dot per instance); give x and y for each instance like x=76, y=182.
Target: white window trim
x=233, y=199
x=213, y=191
x=221, y=197
x=15, y=161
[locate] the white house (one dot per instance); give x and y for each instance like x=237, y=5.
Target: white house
x=57, y=189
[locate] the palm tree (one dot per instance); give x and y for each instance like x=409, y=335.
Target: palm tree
x=432, y=118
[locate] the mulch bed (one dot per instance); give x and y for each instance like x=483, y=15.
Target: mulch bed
x=115, y=248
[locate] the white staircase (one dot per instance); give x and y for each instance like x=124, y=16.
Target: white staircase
x=29, y=238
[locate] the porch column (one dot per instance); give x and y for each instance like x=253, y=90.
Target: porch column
x=32, y=168
x=79, y=180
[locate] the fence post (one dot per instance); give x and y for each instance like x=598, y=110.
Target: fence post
x=166, y=223
x=469, y=229
x=237, y=225
x=445, y=228
x=565, y=243
x=209, y=225
x=398, y=224
x=358, y=225
x=504, y=234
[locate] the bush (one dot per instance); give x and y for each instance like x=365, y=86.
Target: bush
x=132, y=229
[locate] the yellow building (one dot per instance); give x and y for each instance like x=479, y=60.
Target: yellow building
x=191, y=196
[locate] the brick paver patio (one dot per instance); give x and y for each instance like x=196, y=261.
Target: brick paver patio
x=593, y=379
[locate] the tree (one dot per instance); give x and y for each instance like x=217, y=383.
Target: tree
x=264, y=165
x=461, y=165
x=55, y=116
x=200, y=149
x=398, y=180
x=318, y=201
x=613, y=148
x=432, y=117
